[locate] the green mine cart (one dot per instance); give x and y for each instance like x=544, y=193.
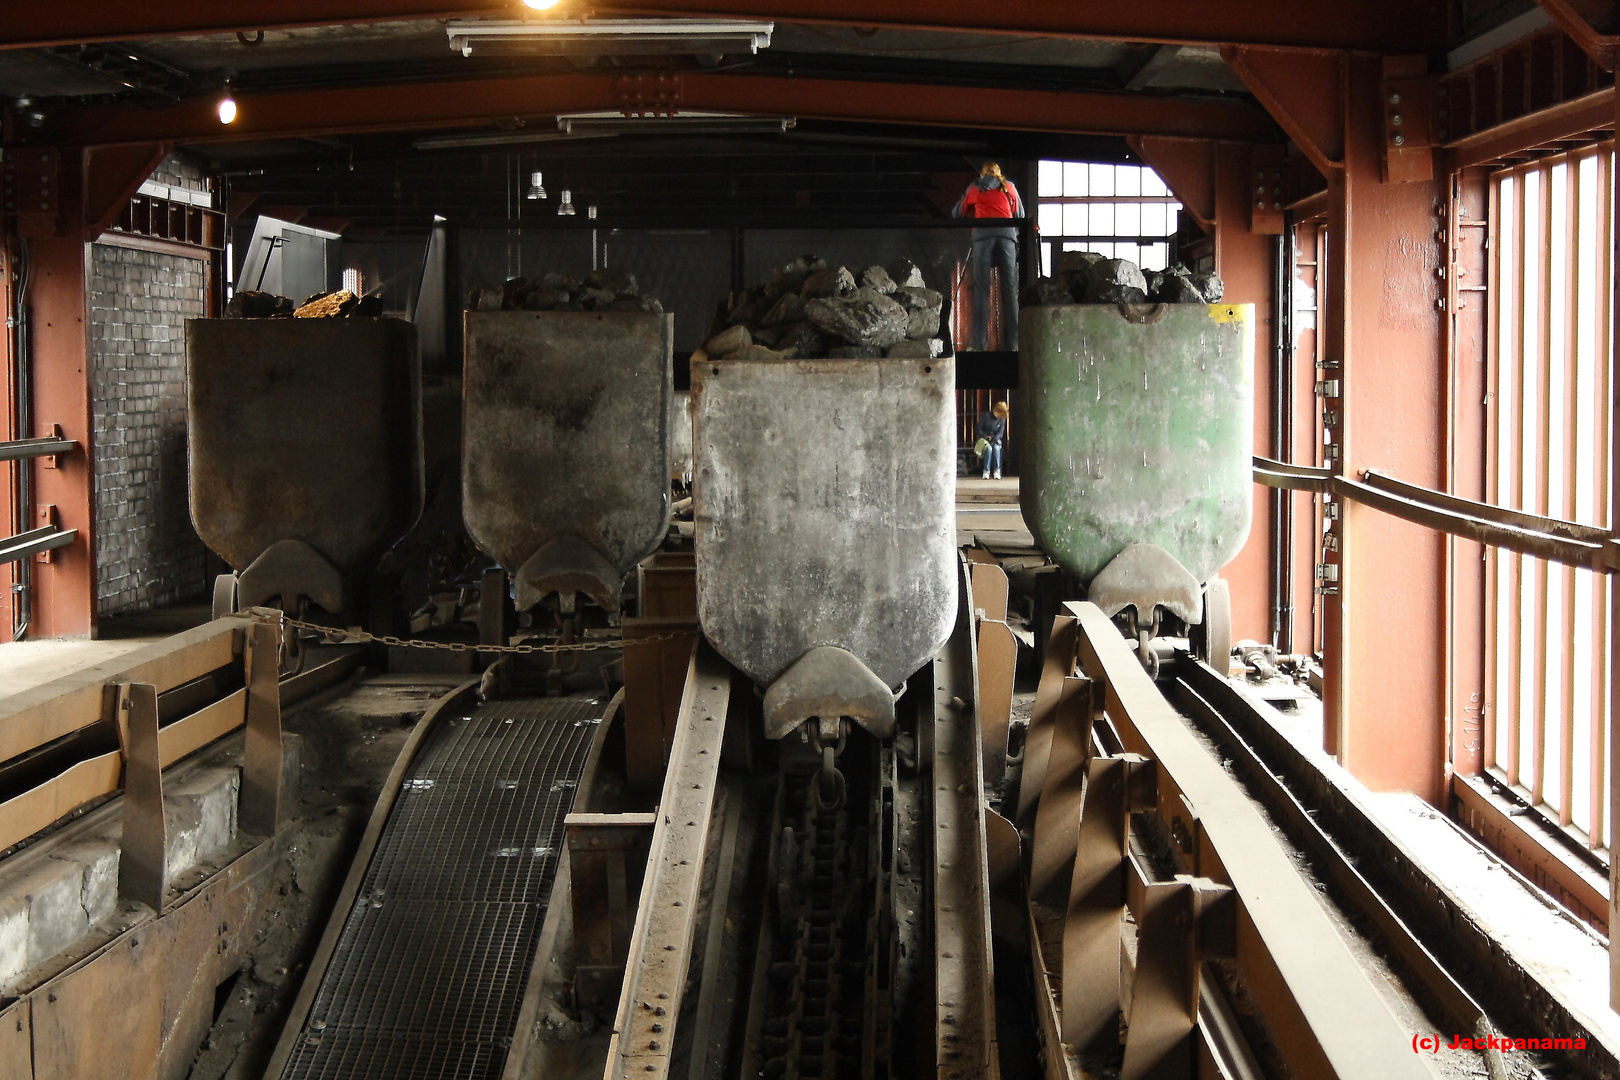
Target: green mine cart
x=1135, y=443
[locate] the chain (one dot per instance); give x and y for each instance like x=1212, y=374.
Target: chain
x=338, y=636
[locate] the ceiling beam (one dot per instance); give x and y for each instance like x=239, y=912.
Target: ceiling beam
x=490, y=101
x=1376, y=25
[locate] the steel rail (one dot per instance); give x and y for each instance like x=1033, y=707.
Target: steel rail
x=35, y=541
x=661, y=943
x=1326, y=1016
x=1528, y=534
x=46, y=446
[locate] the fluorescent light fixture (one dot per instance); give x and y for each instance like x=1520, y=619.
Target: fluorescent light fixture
x=501, y=138
x=609, y=37
x=678, y=123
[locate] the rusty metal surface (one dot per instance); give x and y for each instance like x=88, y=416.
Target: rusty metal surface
x=1329, y=1020
x=566, y=435
x=661, y=946
x=964, y=1021
x=823, y=504
x=1137, y=429
x=303, y=429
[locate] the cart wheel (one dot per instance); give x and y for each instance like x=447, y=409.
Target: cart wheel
x=224, y=596
x=1215, y=641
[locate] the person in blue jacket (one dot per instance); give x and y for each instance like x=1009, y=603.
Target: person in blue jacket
x=993, y=196
x=993, y=430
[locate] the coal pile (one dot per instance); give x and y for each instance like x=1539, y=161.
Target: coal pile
x=328, y=305
x=1085, y=277
x=811, y=311
x=612, y=288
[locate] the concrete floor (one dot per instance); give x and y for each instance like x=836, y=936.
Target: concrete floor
x=28, y=663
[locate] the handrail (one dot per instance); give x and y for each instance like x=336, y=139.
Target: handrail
x=46, y=446
x=1528, y=534
x=35, y=541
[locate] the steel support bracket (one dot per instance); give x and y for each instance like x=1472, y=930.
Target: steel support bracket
x=648, y=95
x=45, y=517
x=1409, y=123
x=141, y=867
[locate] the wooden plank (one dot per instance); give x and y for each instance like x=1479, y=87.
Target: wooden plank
x=62, y=706
x=190, y=733
x=17, y=1042
x=26, y=814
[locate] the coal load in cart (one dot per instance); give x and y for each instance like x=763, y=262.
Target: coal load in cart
x=1135, y=448
x=305, y=454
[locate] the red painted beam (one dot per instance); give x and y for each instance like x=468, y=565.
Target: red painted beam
x=1376, y=25
x=1594, y=24
x=489, y=101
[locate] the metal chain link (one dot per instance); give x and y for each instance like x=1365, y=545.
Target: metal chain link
x=338, y=636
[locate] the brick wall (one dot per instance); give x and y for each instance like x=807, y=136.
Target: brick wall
x=147, y=553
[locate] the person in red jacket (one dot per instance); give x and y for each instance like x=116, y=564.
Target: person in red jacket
x=993, y=196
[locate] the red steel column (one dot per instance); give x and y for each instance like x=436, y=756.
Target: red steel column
x=1244, y=261
x=1385, y=653
x=64, y=599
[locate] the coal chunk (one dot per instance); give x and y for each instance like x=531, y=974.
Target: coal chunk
x=327, y=305
x=258, y=305
x=878, y=279
x=729, y=341
x=1177, y=289
x=1045, y=291
x=788, y=309
x=1211, y=286
x=910, y=350
x=865, y=317
x=922, y=311
x=791, y=277
x=803, y=339
x=1116, y=281
x=904, y=273
x=614, y=279
x=854, y=352
x=837, y=281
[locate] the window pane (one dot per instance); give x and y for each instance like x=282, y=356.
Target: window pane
x=1153, y=216
x=1128, y=219
x=1074, y=219
x=1102, y=220
x=1152, y=185
x=1103, y=249
x=1050, y=219
x=1049, y=179
x=1133, y=252
x=1127, y=180
x=1155, y=256
x=1046, y=259
x=1102, y=179
x=1074, y=178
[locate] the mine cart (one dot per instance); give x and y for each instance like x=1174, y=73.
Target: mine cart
x=1135, y=444
x=305, y=453
x=565, y=459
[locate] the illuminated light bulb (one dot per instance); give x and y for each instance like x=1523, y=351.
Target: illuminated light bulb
x=227, y=109
x=540, y=5
x=566, y=207
x=537, y=190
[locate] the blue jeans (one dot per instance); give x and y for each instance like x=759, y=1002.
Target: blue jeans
x=1000, y=252
x=992, y=458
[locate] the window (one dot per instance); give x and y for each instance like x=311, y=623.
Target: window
x=1548, y=433
x=1120, y=211
x=354, y=281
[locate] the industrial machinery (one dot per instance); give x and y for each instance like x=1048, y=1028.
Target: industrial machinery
x=1135, y=451
x=305, y=455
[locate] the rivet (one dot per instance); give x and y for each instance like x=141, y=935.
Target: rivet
x=1395, y=99
x=1400, y=140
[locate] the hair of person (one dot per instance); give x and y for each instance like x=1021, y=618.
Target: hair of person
x=991, y=168
x=1000, y=409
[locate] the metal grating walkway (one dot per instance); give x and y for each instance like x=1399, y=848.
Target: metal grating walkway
x=429, y=972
